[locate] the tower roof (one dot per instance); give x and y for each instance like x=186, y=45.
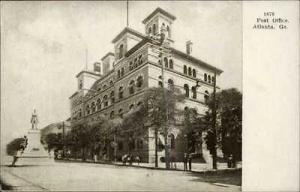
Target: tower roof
x=127, y=30
x=161, y=11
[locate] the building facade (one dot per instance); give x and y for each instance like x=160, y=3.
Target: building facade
x=117, y=83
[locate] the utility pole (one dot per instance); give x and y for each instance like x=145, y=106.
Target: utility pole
x=162, y=48
x=127, y=13
x=64, y=143
x=214, y=155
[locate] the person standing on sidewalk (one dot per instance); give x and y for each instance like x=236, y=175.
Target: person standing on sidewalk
x=190, y=161
x=185, y=160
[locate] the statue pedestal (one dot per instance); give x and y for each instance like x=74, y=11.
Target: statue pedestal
x=34, y=147
x=34, y=153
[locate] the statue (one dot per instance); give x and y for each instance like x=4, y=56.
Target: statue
x=34, y=120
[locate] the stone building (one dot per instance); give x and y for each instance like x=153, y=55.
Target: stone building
x=117, y=83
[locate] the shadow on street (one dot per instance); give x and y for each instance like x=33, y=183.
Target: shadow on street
x=232, y=177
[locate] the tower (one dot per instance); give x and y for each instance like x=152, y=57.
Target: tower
x=159, y=20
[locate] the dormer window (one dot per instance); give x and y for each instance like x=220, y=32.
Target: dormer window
x=168, y=31
x=121, y=51
x=80, y=84
x=149, y=30
x=154, y=29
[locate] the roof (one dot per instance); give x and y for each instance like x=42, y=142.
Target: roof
x=175, y=51
x=159, y=10
x=107, y=54
x=89, y=72
x=127, y=30
x=193, y=59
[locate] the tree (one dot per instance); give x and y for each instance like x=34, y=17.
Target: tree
x=158, y=110
x=53, y=140
x=229, y=122
x=192, y=128
x=13, y=146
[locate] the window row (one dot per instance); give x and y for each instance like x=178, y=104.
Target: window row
x=208, y=78
x=153, y=30
x=168, y=63
x=96, y=106
x=104, y=86
x=135, y=62
x=132, y=84
x=170, y=83
x=189, y=71
x=194, y=92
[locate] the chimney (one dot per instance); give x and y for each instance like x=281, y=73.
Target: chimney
x=189, y=47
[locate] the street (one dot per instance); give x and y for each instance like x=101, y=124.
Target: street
x=100, y=177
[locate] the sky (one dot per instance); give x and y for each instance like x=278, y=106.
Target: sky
x=43, y=48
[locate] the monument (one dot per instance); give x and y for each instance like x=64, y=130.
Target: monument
x=34, y=148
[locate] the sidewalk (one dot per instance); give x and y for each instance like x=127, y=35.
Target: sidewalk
x=196, y=167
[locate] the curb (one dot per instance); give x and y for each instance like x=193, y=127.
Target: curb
x=155, y=168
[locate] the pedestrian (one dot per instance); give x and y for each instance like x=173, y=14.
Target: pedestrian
x=130, y=159
x=124, y=159
x=230, y=161
x=138, y=160
x=16, y=157
x=185, y=160
x=190, y=162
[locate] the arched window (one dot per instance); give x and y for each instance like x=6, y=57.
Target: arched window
x=172, y=141
x=212, y=79
x=205, y=77
x=112, y=96
x=131, y=87
x=130, y=66
x=135, y=62
x=154, y=29
x=121, y=92
x=111, y=115
x=187, y=90
x=121, y=51
x=194, y=91
x=194, y=72
x=79, y=113
x=184, y=69
x=159, y=62
x=98, y=104
x=206, y=95
x=121, y=113
x=122, y=71
x=166, y=62
x=87, y=109
x=93, y=106
x=80, y=84
x=149, y=30
x=168, y=31
x=131, y=106
x=111, y=83
x=104, y=86
x=190, y=71
x=171, y=84
x=105, y=100
x=160, y=81
x=119, y=73
x=140, y=60
x=171, y=63
x=209, y=80
x=139, y=81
